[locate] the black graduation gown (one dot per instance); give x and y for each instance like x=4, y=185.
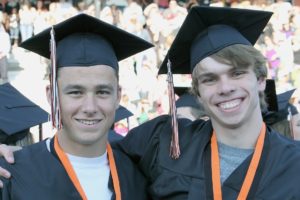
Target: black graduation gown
x=189, y=177
x=113, y=136
x=38, y=175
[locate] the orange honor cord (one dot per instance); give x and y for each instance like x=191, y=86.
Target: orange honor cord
x=215, y=163
x=68, y=167
x=114, y=173
x=70, y=171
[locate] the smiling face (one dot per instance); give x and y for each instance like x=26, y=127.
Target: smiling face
x=230, y=95
x=89, y=97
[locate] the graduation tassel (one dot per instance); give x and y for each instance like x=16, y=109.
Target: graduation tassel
x=55, y=106
x=174, y=147
x=289, y=118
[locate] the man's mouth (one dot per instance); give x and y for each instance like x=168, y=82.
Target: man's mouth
x=230, y=104
x=88, y=122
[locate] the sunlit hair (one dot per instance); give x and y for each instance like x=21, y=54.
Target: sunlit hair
x=239, y=56
x=25, y=136
x=27, y=140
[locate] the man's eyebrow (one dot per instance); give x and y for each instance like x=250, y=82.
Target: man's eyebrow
x=206, y=74
x=104, y=86
x=72, y=86
x=80, y=87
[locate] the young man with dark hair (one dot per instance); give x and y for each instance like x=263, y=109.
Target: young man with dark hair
x=84, y=93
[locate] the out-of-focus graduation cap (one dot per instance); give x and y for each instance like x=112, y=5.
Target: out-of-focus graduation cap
x=186, y=99
x=206, y=30
x=17, y=113
x=283, y=101
x=84, y=40
x=278, y=104
x=122, y=113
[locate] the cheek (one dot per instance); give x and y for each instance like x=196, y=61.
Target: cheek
x=205, y=92
x=108, y=105
x=68, y=105
x=68, y=108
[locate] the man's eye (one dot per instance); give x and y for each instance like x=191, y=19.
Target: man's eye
x=75, y=93
x=238, y=73
x=103, y=92
x=207, y=80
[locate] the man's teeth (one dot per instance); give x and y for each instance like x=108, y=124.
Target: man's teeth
x=88, y=122
x=230, y=104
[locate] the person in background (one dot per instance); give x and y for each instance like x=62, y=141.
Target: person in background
x=15, y=122
x=283, y=116
x=14, y=27
x=4, y=51
x=187, y=104
x=26, y=15
x=84, y=94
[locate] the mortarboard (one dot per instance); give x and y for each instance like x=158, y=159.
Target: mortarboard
x=283, y=101
x=122, y=113
x=206, y=30
x=278, y=104
x=84, y=40
x=17, y=113
x=186, y=99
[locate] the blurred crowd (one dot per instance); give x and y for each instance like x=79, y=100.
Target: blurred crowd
x=145, y=93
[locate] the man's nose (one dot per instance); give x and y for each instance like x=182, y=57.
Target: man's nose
x=89, y=105
x=226, y=86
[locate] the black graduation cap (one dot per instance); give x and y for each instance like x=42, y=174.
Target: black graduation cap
x=278, y=104
x=206, y=30
x=84, y=40
x=17, y=113
x=122, y=113
x=283, y=101
x=186, y=99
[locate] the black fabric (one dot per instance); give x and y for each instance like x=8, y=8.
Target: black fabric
x=38, y=174
x=113, y=136
x=189, y=177
x=271, y=97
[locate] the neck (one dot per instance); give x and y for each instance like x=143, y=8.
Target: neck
x=243, y=136
x=82, y=150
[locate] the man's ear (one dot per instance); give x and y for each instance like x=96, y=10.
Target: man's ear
x=48, y=93
x=261, y=83
x=119, y=95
